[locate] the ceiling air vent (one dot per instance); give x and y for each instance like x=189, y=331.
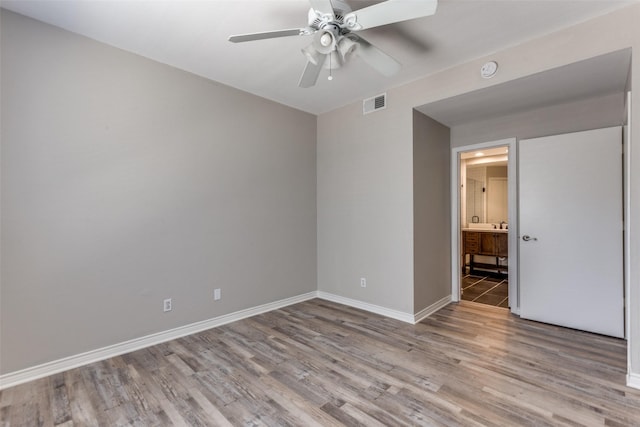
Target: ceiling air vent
x=378, y=102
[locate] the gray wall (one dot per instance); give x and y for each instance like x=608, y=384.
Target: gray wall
x=365, y=212
x=431, y=211
x=592, y=113
x=382, y=175
x=125, y=181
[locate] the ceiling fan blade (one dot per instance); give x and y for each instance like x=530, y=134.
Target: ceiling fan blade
x=323, y=6
x=389, y=12
x=311, y=72
x=376, y=58
x=269, y=35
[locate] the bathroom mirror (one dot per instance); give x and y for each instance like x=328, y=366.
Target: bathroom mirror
x=486, y=193
x=475, y=194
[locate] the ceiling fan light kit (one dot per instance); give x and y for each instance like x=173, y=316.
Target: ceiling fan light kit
x=332, y=23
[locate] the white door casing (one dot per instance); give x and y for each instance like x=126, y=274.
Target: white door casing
x=458, y=210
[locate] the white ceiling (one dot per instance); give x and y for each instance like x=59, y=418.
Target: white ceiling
x=192, y=35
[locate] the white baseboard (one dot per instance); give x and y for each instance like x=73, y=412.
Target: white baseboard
x=60, y=365
x=633, y=380
x=383, y=311
x=428, y=311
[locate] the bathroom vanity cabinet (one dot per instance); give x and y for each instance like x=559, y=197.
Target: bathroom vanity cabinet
x=492, y=243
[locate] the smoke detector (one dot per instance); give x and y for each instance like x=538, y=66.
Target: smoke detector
x=489, y=69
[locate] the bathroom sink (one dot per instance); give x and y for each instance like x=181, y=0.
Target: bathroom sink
x=482, y=226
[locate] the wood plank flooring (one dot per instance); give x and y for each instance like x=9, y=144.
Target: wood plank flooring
x=321, y=363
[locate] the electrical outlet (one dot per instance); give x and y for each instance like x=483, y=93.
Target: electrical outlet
x=216, y=294
x=363, y=282
x=167, y=305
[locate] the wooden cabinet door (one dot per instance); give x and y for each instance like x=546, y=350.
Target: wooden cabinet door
x=502, y=240
x=487, y=244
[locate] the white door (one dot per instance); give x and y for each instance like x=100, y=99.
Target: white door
x=571, y=263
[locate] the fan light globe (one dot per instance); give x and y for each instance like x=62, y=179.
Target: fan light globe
x=324, y=42
x=346, y=47
x=311, y=54
x=326, y=39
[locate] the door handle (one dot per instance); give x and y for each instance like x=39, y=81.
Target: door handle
x=526, y=238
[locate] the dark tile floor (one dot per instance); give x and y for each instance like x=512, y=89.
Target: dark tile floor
x=486, y=290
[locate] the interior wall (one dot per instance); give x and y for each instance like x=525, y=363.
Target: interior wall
x=343, y=132
x=125, y=182
x=431, y=223
x=365, y=200
x=592, y=113
x=496, y=172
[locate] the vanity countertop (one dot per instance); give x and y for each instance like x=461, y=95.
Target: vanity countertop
x=486, y=230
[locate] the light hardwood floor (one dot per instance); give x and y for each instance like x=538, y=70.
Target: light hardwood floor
x=321, y=363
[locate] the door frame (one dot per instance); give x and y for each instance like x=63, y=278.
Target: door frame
x=626, y=236
x=514, y=293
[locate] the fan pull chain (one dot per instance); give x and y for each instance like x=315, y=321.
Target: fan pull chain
x=330, y=76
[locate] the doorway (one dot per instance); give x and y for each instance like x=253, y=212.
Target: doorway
x=484, y=246
x=485, y=226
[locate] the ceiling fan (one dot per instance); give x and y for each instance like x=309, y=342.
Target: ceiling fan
x=332, y=24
